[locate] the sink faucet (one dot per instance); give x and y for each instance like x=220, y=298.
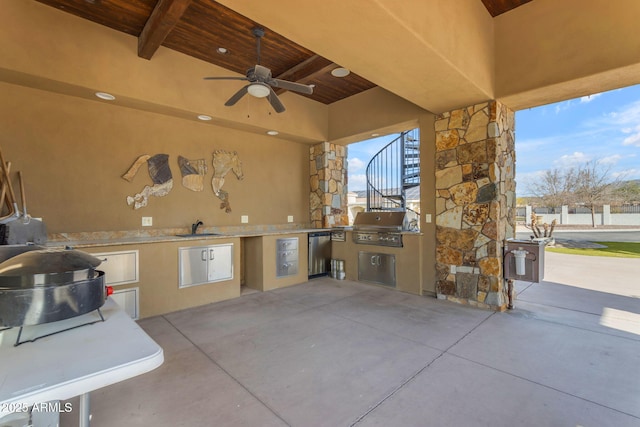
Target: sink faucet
x=194, y=227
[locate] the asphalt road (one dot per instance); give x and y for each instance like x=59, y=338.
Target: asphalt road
x=592, y=236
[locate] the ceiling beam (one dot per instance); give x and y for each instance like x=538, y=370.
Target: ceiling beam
x=307, y=70
x=164, y=17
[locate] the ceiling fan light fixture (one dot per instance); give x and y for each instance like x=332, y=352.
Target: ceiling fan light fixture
x=340, y=72
x=259, y=90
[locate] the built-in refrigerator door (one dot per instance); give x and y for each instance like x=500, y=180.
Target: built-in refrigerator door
x=319, y=254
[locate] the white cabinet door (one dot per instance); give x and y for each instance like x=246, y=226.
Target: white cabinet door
x=119, y=267
x=193, y=266
x=127, y=299
x=220, y=263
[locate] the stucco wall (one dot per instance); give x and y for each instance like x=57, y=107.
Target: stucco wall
x=73, y=152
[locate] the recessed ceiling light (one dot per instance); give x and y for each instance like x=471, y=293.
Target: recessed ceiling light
x=105, y=96
x=272, y=132
x=375, y=134
x=204, y=117
x=340, y=72
x=222, y=50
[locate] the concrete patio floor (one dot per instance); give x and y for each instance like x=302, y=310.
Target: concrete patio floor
x=341, y=353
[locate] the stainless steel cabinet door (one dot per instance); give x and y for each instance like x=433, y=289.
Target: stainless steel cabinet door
x=220, y=262
x=193, y=266
x=205, y=264
x=377, y=268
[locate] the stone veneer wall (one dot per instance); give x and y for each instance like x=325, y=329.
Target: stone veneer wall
x=475, y=202
x=328, y=179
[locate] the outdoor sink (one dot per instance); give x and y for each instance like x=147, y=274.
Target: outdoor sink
x=199, y=235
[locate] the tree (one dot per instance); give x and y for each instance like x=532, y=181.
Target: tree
x=593, y=186
x=588, y=185
x=555, y=187
x=627, y=192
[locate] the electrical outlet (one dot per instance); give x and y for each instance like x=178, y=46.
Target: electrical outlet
x=427, y=218
x=290, y=218
x=244, y=219
x=147, y=221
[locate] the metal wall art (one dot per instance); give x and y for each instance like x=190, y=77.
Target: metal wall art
x=223, y=162
x=160, y=173
x=193, y=172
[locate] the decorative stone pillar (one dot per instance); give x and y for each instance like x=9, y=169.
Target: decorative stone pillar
x=328, y=179
x=475, y=203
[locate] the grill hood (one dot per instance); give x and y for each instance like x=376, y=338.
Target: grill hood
x=380, y=221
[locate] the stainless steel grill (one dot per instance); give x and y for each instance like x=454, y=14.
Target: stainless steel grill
x=379, y=228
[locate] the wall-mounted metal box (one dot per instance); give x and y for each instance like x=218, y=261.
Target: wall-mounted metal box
x=524, y=260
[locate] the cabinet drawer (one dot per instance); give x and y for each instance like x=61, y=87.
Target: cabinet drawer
x=287, y=244
x=119, y=268
x=286, y=256
x=287, y=268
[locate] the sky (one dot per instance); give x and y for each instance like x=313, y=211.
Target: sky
x=603, y=127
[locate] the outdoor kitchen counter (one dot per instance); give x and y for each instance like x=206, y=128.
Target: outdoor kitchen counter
x=156, y=285
x=152, y=263
x=100, y=239
x=409, y=275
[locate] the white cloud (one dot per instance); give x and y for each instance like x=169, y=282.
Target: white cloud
x=633, y=139
x=357, y=182
x=574, y=159
x=355, y=164
x=535, y=144
x=589, y=98
x=610, y=160
x=563, y=106
x=632, y=173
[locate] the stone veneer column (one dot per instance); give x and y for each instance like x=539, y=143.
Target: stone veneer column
x=475, y=202
x=328, y=179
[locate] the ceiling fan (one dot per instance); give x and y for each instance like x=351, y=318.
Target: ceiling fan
x=261, y=83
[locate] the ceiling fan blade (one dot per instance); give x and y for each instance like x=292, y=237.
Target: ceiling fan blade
x=296, y=87
x=275, y=102
x=236, y=97
x=225, y=78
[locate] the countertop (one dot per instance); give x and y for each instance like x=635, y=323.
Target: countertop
x=93, y=240
x=116, y=238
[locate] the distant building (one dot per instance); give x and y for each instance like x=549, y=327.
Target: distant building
x=357, y=202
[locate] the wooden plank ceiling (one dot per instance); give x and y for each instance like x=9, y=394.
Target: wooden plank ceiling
x=199, y=27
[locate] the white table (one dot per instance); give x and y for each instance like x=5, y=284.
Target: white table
x=74, y=362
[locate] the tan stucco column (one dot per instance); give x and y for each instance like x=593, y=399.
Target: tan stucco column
x=328, y=180
x=475, y=202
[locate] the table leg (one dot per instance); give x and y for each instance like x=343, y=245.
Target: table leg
x=85, y=410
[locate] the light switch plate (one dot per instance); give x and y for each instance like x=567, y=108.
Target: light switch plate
x=452, y=269
x=147, y=221
x=427, y=218
x=290, y=218
x=244, y=219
